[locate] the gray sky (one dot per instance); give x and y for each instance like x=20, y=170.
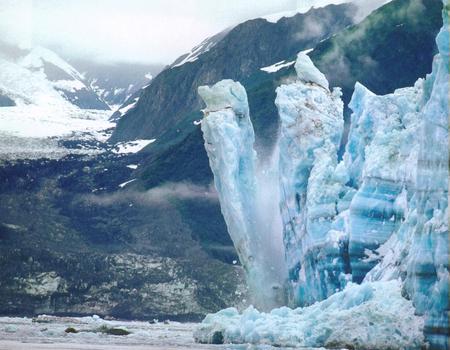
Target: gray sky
x=148, y=31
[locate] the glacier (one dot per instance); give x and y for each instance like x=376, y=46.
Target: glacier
x=377, y=220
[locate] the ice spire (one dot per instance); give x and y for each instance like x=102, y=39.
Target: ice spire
x=310, y=133
x=229, y=139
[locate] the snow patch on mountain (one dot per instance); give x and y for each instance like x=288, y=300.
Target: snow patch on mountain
x=124, y=110
x=194, y=54
x=131, y=146
x=69, y=85
x=25, y=87
x=39, y=56
x=200, y=49
x=275, y=17
x=277, y=66
x=122, y=185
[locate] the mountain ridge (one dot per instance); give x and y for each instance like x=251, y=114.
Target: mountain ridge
x=236, y=56
x=182, y=146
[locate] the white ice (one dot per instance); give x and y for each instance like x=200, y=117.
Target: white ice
x=361, y=316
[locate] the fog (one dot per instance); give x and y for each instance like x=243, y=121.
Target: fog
x=152, y=31
x=143, y=31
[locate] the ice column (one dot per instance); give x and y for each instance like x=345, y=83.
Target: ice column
x=311, y=129
x=229, y=139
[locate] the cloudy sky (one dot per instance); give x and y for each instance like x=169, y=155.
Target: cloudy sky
x=150, y=31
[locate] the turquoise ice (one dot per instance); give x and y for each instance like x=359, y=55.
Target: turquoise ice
x=229, y=139
x=364, y=238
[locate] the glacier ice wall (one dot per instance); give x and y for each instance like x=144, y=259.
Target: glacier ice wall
x=379, y=215
x=383, y=210
x=336, y=216
x=379, y=160
x=229, y=139
x=418, y=252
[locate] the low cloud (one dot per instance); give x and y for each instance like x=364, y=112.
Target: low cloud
x=156, y=31
x=161, y=195
x=365, y=7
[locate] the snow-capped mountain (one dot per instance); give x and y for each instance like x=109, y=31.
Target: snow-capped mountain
x=113, y=82
x=41, y=77
x=44, y=98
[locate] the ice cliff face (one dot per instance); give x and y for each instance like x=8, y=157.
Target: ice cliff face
x=388, y=197
x=380, y=163
x=418, y=252
x=379, y=214
x=311, y=128
x=336, y=216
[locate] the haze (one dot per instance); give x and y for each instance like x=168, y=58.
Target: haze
x=145, y=31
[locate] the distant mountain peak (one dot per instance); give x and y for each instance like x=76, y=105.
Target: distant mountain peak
x=41, y=77
x=39, y=56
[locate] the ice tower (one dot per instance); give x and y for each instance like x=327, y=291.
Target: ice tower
x=229, y=139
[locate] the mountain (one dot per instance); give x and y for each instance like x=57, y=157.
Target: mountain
x=69, y=244
x=75, y=240
x=236, y=54
x=115, y=83
x=40, y=77
x=396, y=35
x=200, y=49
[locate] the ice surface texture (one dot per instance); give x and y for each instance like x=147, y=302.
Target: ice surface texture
x=418, y=251
x=229, y=139
x=362, y=316
x=390, y=193
x=311, y=128
x=378, y=218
